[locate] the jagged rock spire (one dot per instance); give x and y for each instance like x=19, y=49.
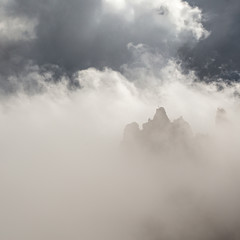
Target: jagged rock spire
x=161, y=115
x=159, y=121
x=159, y=133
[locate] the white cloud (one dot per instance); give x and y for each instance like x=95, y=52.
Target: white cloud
x=176, y=16
x=62, y=175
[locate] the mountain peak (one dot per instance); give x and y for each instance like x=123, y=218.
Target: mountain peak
x=161, y=116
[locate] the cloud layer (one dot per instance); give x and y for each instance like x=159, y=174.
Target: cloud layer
x=72, y=75
x=75, y=35
x=63, y=174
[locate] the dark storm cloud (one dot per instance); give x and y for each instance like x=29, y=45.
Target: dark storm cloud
x=61, y=38
x=62, y=33
x=218, y=55
x=78, y=34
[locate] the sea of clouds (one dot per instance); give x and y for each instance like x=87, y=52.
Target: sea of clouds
x=63, y=173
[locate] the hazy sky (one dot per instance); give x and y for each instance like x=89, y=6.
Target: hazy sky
x=67, y=36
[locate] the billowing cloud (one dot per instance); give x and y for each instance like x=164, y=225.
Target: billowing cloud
x=63, y=172
x=75, y=35
x=73, y=74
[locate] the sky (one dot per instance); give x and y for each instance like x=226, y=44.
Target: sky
x=65, y=37
x=74, y=74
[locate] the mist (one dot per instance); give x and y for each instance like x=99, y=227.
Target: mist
x=65, y=174
x=119, y=120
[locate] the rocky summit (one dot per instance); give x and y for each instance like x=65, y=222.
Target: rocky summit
x=159, y=134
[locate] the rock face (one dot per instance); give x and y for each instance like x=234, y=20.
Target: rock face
x=159, y=134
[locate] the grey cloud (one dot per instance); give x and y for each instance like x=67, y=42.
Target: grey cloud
x=75, y=35
x=218, y=55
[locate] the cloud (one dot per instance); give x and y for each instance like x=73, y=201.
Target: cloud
x=15, y=28
x=68, y=89
x=63, y=173
x=217, y=56
x=75, y=35
x=178, y=17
